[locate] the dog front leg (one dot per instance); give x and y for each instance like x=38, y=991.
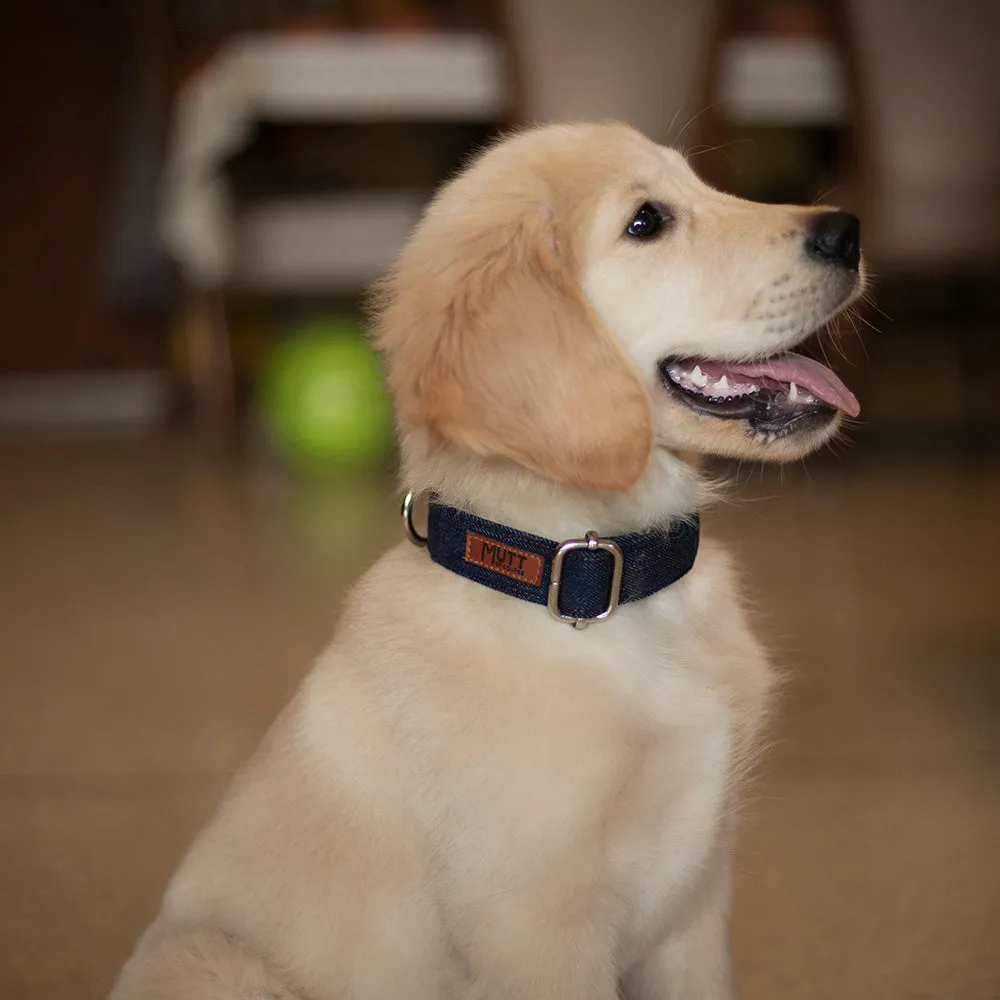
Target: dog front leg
x=562, y=975
x=519, y=953
x=692, y=962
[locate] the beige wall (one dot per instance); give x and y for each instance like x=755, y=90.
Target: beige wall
x=638, y=60
x=932, y=78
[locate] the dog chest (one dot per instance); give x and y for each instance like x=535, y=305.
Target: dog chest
x=666, y=825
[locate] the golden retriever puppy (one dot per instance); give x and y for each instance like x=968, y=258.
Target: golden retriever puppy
x=473, y=796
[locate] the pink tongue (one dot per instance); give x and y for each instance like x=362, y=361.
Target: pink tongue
x=803, y=371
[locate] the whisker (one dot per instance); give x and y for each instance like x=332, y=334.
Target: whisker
x=821, y=344
x=869, y=300
x=702, y=150
x=867, y=322
x=820, y=198
x=674, y=118
x=839, y=347
x=861, y=340
x=852, y=316
x=677, y=139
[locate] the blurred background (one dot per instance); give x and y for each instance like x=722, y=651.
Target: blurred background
x=196, y=457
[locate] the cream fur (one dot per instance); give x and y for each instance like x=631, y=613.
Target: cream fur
x=468, y=800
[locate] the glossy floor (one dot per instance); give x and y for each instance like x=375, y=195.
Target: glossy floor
x=155, y=611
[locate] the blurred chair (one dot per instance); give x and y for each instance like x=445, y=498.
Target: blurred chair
x=315, y=242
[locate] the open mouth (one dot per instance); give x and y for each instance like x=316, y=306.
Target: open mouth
x=777, y=395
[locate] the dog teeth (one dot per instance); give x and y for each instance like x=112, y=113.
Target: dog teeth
x=695, y=380
x=793, y=392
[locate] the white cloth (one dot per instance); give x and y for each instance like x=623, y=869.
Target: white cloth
x=294, y=78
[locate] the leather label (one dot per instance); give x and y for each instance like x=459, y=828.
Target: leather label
x=500, y=558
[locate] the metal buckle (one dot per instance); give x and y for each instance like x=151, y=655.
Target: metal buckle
x=592, y=543
x=407, y=512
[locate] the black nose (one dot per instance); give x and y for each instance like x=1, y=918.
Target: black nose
x=834, y=239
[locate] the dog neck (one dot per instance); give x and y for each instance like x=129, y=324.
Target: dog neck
x=501, y=490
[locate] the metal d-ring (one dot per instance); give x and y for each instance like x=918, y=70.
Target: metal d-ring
x=407, y=511
x=592, y=543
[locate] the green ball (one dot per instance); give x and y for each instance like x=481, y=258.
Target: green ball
x=322, y=400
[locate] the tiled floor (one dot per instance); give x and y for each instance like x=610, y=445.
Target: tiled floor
x=155, y=611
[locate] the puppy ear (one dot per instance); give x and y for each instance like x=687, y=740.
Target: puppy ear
x=491, y=343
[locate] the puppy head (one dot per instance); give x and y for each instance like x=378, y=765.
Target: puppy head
x=562, y=300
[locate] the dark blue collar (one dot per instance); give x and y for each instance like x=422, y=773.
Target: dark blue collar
x=580, y=580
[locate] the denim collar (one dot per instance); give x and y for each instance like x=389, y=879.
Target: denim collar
x=580, y=580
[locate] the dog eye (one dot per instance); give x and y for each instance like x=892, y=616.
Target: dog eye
x=648, y=222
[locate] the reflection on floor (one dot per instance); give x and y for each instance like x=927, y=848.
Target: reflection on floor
x=157, y=611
